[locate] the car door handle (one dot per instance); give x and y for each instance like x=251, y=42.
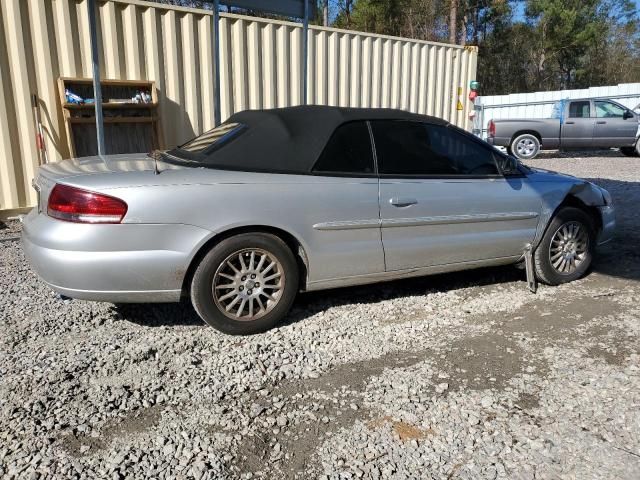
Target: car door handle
x=569, y=123
x=402, y=201
x=601, y=123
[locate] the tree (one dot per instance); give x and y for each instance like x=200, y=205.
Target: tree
x=576, y=38
x=565, y=30
x=453, y=21
x=325, y=13
x=423, y=19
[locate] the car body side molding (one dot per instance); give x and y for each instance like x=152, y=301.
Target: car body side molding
x=348, y=224
x=435, y=220
x=455, y=219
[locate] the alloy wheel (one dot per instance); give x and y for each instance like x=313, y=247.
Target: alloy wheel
x=569, y=247
x=526, y=147
x=248, y=284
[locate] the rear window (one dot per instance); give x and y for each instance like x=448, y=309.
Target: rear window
x=215, y=136
x=579, y=109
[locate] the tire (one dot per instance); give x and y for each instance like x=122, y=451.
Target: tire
x=631, y=151
x=525, y=146
x=229, y=270
x=552, y=266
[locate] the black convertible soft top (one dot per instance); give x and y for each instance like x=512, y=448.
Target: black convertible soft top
x=287, y=140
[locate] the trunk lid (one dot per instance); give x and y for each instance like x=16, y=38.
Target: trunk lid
x=71, y=170
x=137, y=162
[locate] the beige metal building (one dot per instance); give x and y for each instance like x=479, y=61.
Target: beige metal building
x=42, y=40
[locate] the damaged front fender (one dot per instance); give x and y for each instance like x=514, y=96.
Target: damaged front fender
x=557, y=190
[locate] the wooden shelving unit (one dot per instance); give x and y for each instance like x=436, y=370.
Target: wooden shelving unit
x=129, y=126
x=114, y=120
x=107, y=106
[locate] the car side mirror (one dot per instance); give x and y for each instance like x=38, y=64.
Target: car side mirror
x=509, y=165
x=627, y=115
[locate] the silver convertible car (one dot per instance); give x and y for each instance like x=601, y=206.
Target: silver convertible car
x=273, y=202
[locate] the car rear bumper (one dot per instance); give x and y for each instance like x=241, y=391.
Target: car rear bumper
x=608, y=216
x=112, y=263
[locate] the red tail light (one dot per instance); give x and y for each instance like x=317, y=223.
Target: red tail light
x=81, y=206
x=491, y=129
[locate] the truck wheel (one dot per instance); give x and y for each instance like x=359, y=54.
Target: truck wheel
x=631, y=151
x=567, y=247
x=245, y=284
x=525, y=146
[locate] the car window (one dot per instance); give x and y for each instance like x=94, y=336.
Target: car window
x=580, y=109
x=348, y=151
x=609, y=110
x=413, y=148
x=211, y=137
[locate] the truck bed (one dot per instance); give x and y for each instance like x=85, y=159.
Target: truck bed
x=547, y=128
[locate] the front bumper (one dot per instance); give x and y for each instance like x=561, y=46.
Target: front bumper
x=608, y=216
x=112, y=263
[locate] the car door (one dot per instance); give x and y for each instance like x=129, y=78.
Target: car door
x=578, y=125
x=340, y=209
x=613, y=127
x=443, y=199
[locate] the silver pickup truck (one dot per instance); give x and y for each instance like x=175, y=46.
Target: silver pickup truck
x=575, y=124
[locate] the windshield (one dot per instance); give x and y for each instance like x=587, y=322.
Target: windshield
x=198, y=148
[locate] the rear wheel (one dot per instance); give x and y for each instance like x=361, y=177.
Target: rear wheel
x=245, y=284
x=566, y=250
x=525, y=146
x=631, y=151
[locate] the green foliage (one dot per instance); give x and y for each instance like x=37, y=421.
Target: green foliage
x=565, y=31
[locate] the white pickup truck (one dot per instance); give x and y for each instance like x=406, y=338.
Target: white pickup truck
x=575, y=125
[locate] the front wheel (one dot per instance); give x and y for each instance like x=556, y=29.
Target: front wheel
x=566, y=250
x=525, y=146
x=245, y=284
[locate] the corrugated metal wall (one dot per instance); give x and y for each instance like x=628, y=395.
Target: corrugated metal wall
x=41, y=40
x=540, y=104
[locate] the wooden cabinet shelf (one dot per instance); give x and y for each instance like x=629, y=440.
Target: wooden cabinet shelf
x=112, y=105
x=129, y=127
x=109, y=82
x=114, y=119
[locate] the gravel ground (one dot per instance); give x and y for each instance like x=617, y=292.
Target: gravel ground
x=453, y=376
